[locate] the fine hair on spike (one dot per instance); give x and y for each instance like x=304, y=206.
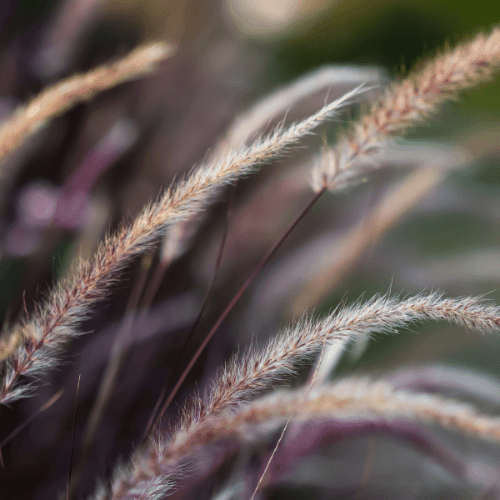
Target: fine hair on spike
x=251, y=122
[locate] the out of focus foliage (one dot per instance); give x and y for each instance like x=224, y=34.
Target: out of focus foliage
x=231, y=53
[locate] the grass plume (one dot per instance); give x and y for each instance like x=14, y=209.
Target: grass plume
x=349, y=398
x=77, y=88
x=32, y=346
x=408, y=103
x=258, y=370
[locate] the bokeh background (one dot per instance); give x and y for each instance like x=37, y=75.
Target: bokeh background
x=103, y=160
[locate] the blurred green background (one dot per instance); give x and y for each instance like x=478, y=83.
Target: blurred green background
x=398, y=35
x=231, y=54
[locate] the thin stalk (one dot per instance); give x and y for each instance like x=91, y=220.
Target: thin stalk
x=108, y=381
x=235, y=299
x=70, y=468
x=35, y=414
x=197, y=321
